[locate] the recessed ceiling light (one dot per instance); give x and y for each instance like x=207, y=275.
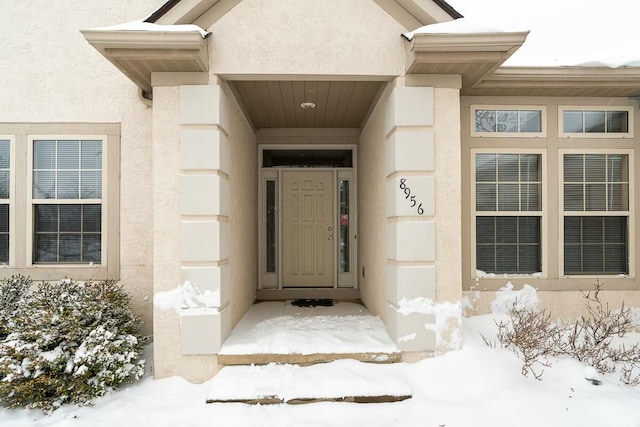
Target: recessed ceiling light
x=308, y=105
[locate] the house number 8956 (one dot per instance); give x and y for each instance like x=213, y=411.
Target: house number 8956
x=410, y=197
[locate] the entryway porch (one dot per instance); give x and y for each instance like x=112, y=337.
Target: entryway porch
x=282, y=332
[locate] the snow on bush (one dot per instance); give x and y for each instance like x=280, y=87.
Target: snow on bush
x=66, y=342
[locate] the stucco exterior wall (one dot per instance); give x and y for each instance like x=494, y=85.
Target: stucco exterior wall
x=243, y=220
x=371, y=209
x=50, y=74
x=307, y=37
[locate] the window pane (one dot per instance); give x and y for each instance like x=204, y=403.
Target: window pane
x=68, y=154
x=68, y=185
x=530, y=197
x=4, y=234
x=486, y=197
x=44, y=184
x=595, y=197
x=595, y=167
x=45, y=248
x=617, y=121
x=70, y=249
x=508, y=197
x=70, y=218
x=530, y=121
x=573, y=197
x=617, y=198
x=344, y=226
x=530, y=167
x=91, y=185
x=485, y=121
x=91, y=155
x=508, y=165
x=46, y=218
x=5, y=153
x=91, y=218
x=486, y=167
x=4, y=184
x=271, y=220
x=595, y=245
x=572, y=121
x=67, y=233
x=617, y=168
x=507, y=121
x=594, y=121
x=573, y=167
x=44, y=154
x=508, y=245
x=91, y=248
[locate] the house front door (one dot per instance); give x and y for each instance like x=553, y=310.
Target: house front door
x=308, y=229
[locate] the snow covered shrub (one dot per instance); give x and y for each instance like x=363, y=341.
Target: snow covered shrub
x=590, y=339
x=69, y=342
x=13, y=292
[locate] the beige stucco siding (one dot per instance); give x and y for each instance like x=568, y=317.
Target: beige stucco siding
x=50, y=74
x=371, y=208
x=243, y=219
x=309, y=37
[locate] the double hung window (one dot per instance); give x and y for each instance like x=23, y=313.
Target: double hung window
x=508, y=212
x=596, y=213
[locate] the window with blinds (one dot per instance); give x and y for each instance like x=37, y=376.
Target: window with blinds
x=596, y=213
x=5, y=193
x=67, y=201
x=508, y=212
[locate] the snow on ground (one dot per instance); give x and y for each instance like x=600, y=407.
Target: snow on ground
x=476, y=386
x=281, y=328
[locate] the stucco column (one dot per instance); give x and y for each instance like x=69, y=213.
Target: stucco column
x=204, y=215
x=190, y=226
x=423, y=215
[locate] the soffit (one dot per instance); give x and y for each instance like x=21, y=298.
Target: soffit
x=137, y=54
x=277, y=104
x=473, y=56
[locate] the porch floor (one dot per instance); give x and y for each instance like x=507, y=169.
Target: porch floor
x=277, y=331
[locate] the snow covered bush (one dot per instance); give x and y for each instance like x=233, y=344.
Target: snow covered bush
x=68, y=342
x=12, y=294
x=596, y=339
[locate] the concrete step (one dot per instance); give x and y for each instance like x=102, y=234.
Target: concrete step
x=339, y=381
x=306, y=359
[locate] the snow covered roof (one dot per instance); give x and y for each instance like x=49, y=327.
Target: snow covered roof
x=157, y=28
x=458, y=26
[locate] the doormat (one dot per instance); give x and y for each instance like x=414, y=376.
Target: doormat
x=313, y=302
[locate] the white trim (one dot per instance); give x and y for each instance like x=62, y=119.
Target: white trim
x=599, y=135
x=543, y=121
x=543, y=214
x=629, y=213
x=30, y=201
x=266, y=280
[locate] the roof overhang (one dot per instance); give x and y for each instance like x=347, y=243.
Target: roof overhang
x=560, y=81
x=474, y=56
x=139, y=53
x=409, y=13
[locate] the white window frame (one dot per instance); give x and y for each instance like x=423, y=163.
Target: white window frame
x=599, y=135
x=629, y=213
x=11, y=200
x=543, y=214
x=476, y=134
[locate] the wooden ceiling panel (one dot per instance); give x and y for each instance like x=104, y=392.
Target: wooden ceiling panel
x=277, y=104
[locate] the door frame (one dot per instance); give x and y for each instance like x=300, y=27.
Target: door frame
x=273, y=280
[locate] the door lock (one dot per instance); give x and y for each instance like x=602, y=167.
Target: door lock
x=330, y=228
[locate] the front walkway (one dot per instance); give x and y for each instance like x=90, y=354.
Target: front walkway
x=278, y=331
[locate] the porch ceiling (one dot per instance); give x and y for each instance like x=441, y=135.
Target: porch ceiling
x=278, y=104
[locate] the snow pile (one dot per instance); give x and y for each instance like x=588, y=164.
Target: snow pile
x=448, y=317
x=157, y=28
x=507, y=299
x=458, y=26
x=188, y=295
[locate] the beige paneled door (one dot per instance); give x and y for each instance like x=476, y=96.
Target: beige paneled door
x=307, y=229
